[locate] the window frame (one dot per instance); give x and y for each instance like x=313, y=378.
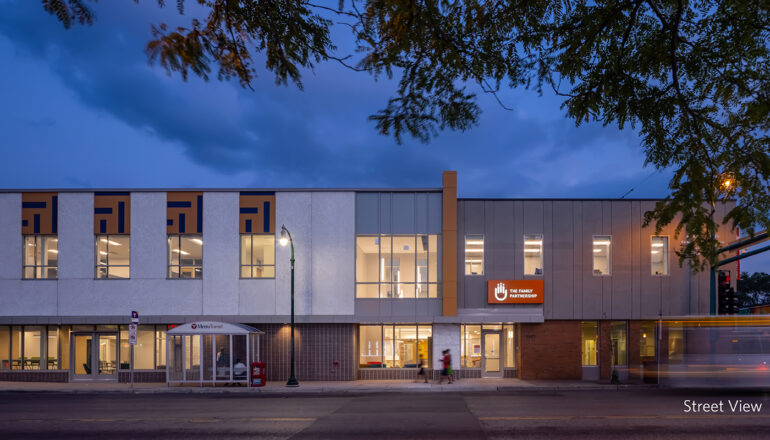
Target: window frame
x=252, y=266
x=393, y=326
x=665, y=257
x=524, y=255
x=381, y=284
x=97, y=237
x=180, y=266
x=43, y=238
x=609, y=256
x=483, y=253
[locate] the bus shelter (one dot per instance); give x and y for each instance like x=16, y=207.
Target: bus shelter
x=208, y=352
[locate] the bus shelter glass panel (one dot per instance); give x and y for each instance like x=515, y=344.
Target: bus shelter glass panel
x=192, y=353
x=207, y=357
x=223, y=357
x=175, y=358
x=240, y=357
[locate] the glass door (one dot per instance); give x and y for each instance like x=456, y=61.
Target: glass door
x=94, y=356
x=491, y=361
x=108, y=356
x=82, y=362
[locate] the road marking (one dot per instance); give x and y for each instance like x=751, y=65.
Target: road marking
x=167, y=419
x=282, y=419
x=630, y=417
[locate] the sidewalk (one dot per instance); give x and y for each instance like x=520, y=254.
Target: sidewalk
x=358, y=386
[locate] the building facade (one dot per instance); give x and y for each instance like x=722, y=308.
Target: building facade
x=384, y=280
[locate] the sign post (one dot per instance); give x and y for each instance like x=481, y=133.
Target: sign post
x=132, y=341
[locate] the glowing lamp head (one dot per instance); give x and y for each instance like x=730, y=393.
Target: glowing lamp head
x=284, y=240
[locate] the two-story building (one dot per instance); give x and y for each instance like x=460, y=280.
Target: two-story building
x=384, y=279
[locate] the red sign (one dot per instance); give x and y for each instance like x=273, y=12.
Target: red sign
x=515, y=291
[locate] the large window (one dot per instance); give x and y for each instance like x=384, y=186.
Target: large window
x=29, y=348
x=41, y=256
x=589, y=331
x=150, y=348
x=602, y=246
x=659, y=255
x=112, y=256
x=533, y=255
x=618, y=343
x=474, y=255
x=257, y=256
x=397, y=266
x=395, y=346
x=185, y=256
x=470, y=344
x=647, y=340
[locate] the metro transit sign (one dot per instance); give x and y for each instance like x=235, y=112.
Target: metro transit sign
x=515, y=291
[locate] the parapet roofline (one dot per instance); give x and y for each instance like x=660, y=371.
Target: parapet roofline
x=89, y=190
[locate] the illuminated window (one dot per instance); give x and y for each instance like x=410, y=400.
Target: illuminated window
x=185, y=256
x=647, y=338
x=618, y=343
x=659, y=255
x=112, y=256
x=533, y=255
x=602, y=254
x=589, y=331
x=41, y=256
x=470, y=352
x=257, y=256
x=395, y=346
x=474, y=255
x=397, y=266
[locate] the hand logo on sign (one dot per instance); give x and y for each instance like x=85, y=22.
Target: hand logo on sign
x=501, y=292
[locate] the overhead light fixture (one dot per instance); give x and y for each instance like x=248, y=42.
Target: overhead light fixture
x=472, y=242
x=180, y=252
x=197, y=240
x=533, y=242
x=532, y=250
x=474, y=250
x=657, y=245
x=102, y=253
x=53, y=251
x=601, y=243
x=655, y=252
x=597, y=250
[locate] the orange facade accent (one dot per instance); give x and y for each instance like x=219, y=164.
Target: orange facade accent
x=257, y=212
x=515, y=291
x=184, y=212
x=449, y=237
x=112, y=213
x=39, y=213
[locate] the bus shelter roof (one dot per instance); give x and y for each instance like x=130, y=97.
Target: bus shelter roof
x=213, y=328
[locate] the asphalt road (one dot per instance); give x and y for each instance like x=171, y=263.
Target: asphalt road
x=625, y=415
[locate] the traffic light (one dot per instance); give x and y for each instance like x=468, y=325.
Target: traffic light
x=728, y=300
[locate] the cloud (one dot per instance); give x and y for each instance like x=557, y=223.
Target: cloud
x=279, y=136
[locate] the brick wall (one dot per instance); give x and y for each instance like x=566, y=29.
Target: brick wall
x=143, y=376
x=634, y=355
x=321, y=351
x=34, y=376
x=604, y=350
x=550, y=350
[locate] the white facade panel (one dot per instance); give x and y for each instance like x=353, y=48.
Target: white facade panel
x=149, y=246
x=10, y=238
x=76, y=236
x=293, y=209
x=221, y=255
x=446, y=336
x=333, y=256
x=28, y=298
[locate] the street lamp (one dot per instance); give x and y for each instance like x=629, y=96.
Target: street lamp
x=284, y=240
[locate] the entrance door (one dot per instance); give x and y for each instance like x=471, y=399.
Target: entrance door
x=492, y=354
x=94, y=356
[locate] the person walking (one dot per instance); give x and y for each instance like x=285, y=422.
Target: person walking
x=449, y=372
x=421, y=372
x=444, y=367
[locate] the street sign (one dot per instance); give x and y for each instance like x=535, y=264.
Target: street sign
x=132, y=333
x=135, y=317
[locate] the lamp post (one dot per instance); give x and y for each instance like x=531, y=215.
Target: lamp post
x=284, y=240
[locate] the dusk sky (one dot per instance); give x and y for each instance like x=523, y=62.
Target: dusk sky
x=82, y=108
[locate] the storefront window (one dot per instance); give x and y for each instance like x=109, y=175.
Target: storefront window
x=647, y=339
x=64, y=346
x=675, y=345
x=618, y=343
x=5, y=347
x=533, y=255
x=144, y=350
x=602, y=254
x=589, y=342
x=32, y=347
x=394, y=346
x=510, y=346
x=659, y=255
x=470, y=355
x=125, y=349
x=16, y=338
x=52, y=341
x=160, y=348
x=474, y=255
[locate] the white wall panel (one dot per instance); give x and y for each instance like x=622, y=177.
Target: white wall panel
x=76, y=235
x=10, y=238
x=149, y=258
x=333, y=255
x=221, y=253
x=293, y=209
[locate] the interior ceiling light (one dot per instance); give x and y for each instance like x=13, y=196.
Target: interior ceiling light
x=657, y=245
x=597, y=250
x=480, y=242
x=601, y=243
x=197, y=240
x=533, y=242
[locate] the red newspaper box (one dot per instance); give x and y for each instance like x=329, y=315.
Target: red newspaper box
x=258, y=374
